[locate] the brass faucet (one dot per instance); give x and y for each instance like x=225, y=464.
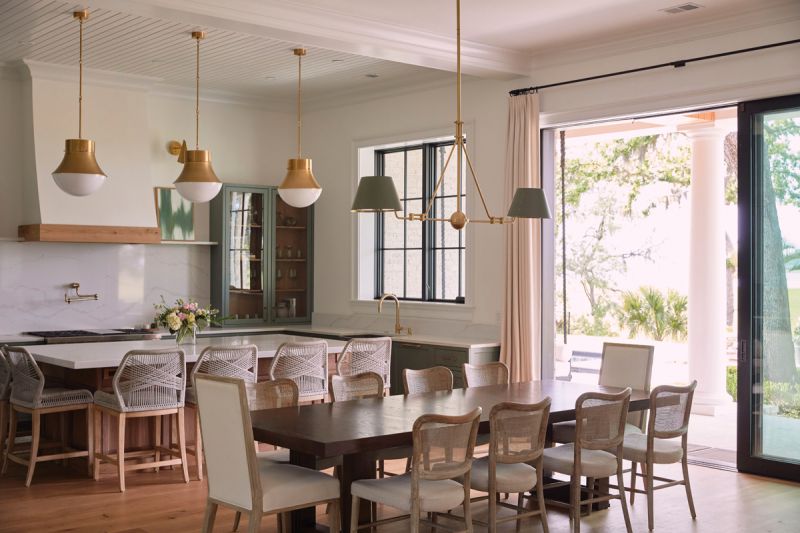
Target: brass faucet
x=398, y=329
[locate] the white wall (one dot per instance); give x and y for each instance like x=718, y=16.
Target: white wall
x=12, y=140
x=333, y=136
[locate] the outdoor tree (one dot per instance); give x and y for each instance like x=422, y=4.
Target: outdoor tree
x=655, y=314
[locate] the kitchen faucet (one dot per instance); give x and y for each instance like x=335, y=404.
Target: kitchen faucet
x=398, y=329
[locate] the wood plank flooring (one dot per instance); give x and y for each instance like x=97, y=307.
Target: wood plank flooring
x=65, y=500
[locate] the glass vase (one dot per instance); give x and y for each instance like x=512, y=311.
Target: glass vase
x=188, y=338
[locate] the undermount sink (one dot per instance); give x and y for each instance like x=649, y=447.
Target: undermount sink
x=369, y=335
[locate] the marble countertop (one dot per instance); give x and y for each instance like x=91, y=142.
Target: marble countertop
x=311, y=329
x=110, y=354
x=18, y=338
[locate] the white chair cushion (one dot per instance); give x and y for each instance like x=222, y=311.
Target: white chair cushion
x=289, y=486
x=190, y=396
x=274, y=456
x=513, y=477
x=564, y=432
x=665, y=451
x=594, y=463
x=434, y=495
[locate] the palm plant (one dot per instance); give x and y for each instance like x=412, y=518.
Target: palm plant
x=657, y=315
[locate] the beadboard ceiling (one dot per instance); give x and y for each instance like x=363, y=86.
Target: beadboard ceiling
x=231, y=62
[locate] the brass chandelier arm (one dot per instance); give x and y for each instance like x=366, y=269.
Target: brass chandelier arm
x=439, y=181
x=477, y=185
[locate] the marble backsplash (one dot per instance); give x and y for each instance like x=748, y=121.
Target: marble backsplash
x=436, y=327
x=129, y=279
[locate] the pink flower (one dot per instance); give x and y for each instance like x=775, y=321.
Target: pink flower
x=182, y=316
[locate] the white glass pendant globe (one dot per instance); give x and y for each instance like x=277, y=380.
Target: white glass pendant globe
x=79, y=184
x=198, y=183
x=79, y=174
x=198, y=192
x=299, y=197
x=299, y=187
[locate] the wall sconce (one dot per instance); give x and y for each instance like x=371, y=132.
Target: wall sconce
x=177, y=148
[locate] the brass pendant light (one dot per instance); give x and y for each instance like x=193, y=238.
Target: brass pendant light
x=377, y=193
x=299, y=187
x=197, y=183
x=79, y=174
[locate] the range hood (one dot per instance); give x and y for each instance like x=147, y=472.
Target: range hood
x=123, y=210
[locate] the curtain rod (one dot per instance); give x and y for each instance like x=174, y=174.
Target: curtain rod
x=675, y=64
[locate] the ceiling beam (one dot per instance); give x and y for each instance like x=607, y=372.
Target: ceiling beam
x=274, y=19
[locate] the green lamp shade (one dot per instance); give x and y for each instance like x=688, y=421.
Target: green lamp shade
x=375, y=194
x=529, y=203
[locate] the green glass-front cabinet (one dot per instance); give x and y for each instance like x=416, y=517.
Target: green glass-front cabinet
x=262, y=264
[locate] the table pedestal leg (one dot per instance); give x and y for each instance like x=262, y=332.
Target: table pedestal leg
x=303, y=519
x=355, y=467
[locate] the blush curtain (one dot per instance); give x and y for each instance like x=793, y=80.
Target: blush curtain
x=521, y=330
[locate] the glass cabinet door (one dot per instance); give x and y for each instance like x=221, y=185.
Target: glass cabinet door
x=292, y=272
x=246, y=255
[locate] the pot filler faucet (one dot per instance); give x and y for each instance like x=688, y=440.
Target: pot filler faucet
x=398, y=329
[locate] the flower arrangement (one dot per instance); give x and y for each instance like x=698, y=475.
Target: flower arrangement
x=185, y=317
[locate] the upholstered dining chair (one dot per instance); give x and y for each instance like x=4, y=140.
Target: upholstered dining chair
x=622, y=365
x=5, y=393
x=514, y=464
x=235, y=361
x=305, y=363
x=436, y=378
x=147, y=384
x=595, y=453
x=361, y=355
x=494, y=373
x=670, y=408
x=443, y=447
x=29, y=395
x=236, y=478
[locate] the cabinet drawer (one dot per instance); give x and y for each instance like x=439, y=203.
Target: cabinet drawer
x=450, y=358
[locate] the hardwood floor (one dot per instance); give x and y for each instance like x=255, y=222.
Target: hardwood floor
x=64, y=499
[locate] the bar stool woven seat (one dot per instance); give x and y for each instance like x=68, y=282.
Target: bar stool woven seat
x=227, y=361
x=305, y=363
x=361, y=355
x=148, y=383
x=29, y=395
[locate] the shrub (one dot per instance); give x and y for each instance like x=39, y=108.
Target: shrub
x=783, y=395
x=655, y=314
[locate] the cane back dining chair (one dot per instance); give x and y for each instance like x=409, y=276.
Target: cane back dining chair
x=443, y=447
x=5, y=393
x=29, y=395
x=373, y=354
x=433, y=379
x=236, y=478
x=595, y=453
x=305, y=363
x=514, y=464
x=494, y=373
x=240, y=361
x=147, y=384
x=622, y=365
x=669, y=420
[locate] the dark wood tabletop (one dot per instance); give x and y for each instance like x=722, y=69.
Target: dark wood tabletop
x=332, y=429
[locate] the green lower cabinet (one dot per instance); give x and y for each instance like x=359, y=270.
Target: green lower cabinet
x=419, y=356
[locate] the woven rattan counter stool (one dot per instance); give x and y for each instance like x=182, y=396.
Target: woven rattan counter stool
x=148, y=383
x=305, y=363
x=227, y=361
x=29, y=395
x=361, y=355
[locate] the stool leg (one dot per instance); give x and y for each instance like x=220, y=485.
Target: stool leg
x=36, y=421
x=98, y=442
x=198, y=445
x=182, y=444
x=12, y=436
x=157, y=439
x=62, y=428
x=90, y=439
x=121, y=450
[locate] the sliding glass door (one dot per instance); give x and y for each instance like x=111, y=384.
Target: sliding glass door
x=769, y=285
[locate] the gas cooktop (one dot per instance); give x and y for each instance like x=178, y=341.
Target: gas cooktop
x=96, y=335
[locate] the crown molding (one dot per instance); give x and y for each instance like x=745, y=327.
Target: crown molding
x=103, y=78
x=296, y=23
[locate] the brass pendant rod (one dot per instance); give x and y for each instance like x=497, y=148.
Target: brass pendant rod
x=80, y=78
x=439, y=182
x=197, y=96
x=459, y=124
x=299, y=102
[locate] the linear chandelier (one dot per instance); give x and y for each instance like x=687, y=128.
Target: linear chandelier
x=378, y=193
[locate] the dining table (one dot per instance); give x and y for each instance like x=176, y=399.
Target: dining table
x=357, y=430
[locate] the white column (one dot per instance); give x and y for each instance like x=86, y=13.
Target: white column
x=707, y=294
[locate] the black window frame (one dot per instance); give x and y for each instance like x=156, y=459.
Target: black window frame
x=430, y=170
